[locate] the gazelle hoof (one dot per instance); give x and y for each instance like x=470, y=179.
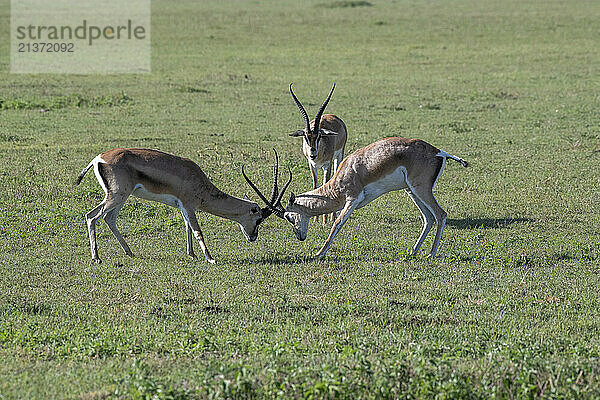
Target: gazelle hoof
x=96, y=260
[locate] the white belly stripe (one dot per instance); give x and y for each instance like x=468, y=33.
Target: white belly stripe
x=394, y=181
x=140, y=191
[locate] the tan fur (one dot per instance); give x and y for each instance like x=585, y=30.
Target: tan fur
x=173, y=180
x=165, y=173
x=328, y=145
x=381, y=158
x=378, y=162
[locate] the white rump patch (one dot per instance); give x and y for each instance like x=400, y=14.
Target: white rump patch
x=95, y=163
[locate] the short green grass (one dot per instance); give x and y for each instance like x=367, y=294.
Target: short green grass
x=508, y=310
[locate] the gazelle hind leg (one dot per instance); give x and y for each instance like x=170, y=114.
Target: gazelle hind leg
x=425, y=194
x=111, y=220
x=192, y=222
x=109, y=203
x=428, y=220
x=92, y=218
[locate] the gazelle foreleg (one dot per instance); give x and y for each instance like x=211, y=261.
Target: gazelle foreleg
x=190, y=216
x=313, y=172
x=337, y=225
x=338, y=156
x=326, y=176
x=189, y=237
x=315, y=179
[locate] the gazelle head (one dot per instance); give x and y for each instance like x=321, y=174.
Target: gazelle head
x=312, y=134
x=292, y=213
x=250, y=220
x=273, y=206
x=295, y=216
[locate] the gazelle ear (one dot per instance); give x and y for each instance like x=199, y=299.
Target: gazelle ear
x=297, y=133
x=327, y=132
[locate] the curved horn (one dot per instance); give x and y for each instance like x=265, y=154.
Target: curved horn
x=262, y=197
x=276, y=196
x=320, y=113
x=277, y=203
x=275, y=190
x=302, y=110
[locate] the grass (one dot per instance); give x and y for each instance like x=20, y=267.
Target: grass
x=508, y=310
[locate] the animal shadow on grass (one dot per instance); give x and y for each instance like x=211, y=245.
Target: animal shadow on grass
x=486, y=223
x=277, y=259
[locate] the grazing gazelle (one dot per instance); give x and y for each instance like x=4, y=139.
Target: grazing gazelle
x=386, y=165
x=171, y=180
x=324, y=141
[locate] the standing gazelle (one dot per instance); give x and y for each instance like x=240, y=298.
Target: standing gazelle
x=324, y=141
x=171, y=180
x=386, y=165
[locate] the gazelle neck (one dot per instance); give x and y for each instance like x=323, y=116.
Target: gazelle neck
x=319, y=201
x=223, y=205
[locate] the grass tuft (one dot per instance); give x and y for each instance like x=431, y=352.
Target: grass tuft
x=59, y=102
x=347, y=4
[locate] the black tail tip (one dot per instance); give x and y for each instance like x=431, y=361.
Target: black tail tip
x=79, y=179
x=464, y=163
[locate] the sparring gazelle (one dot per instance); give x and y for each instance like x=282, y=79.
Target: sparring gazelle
x=324, y=142
x=171, y=180
x=386, y=165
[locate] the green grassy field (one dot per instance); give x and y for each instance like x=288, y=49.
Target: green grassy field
x=508, y=310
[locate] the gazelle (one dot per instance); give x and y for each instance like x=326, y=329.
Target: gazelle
x=386, y=165
x=324, y=141
x=171, y=180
